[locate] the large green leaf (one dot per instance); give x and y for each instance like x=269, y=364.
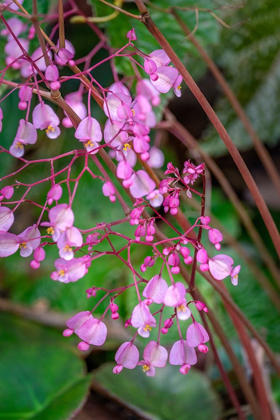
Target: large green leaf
x=40, y=377
x=249, y=55
x=168, y=395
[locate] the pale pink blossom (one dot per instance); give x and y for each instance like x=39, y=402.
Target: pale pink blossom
x=143, y=320
x=108, y=190
x=183, y=311
x=70, y=271
x=142, y=184
x=54, y=194
x=220, y=266
x=29, y=240
x=127, y=356
x=175, y=295
x=155, y=289
x=61, y=218
x=156, y=159
x=26, y=134
x=68, y=239
x=89, y=132
x=64, y=54
x=44, y=118
x=197, y=336
x=215, y=237
x=8, y=243
x=6, y=218
x=74, y=100
x=183, y=355
x=154, y=356
x=113, y=102
x=145, y=88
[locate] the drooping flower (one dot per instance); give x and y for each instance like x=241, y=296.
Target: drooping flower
x=220, y=266
x=155, y=198
x=197, y=336
x=166, y=77
x=155, y=289
x=66, y=54
x=192, y=172
x=175, y=295
x=61, y=218
x=52, y=75
x=215, y=237
x=44, y=118
x=29, y=240
x=87, y=328
x=142, y=319
x=234, y=275
x=68, y=239
x=184, y=355
x=55, y=193
x=6, y=218
x=89, y=133
x=25, y=95
x=26, y=134
x=142, y=184
x=70, y=271
x=113, y=103
x=6, y=192
x=156, y=159
x=145, y=88
x=131, y=35
x=127, y=356
x=8, y=244
x=108, y=190
x=154, y=356
x=74, y=100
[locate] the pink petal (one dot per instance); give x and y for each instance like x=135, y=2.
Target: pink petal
x=155, y=354
x=156, y=289
x=8, y=244
x=166, y=79
x=220, y=266
x=93, y=332
x=181, y=353
x=142, y=184
x=175, y=295
x=196, y=334
x=6, y=218
x=127, y=355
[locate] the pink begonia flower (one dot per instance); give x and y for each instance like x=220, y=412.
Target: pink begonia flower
x=29, y=240
x=135, y=215
x=55, y=193
x=141, y=146
x=6, y=192
x=8, y=243
x=127, y=356
x=182, y=354
x=25, y=95
x=38, y=255
x=61, y=218
x=67, y=240
x=215, y=237
x=174, y=261
x=177, y=86
x=154, y=356
x=160, y=58
x=89, y=132
x=166, y=77
x=234, y=275
x=75, y=101
x=113, y=102
x=192, y=171
x=202, y=258
x=114, y=135
x=44, y=118
x=185, y=252
x=6, y=219
x=148, y=262
x=142, y=184
x=145, y=88
x=142, y=112
x=108, y=190
x=143, y=320
x=13, y=50
x=52, y=75
x=64, y=54
x=26, y=134
x=175, y=295
x=183, y=312
x=197, y=336
x=156, y=159
x=11, y=4
x=220, y=266
x=70, y=271
x=155, y=289
x=16, y=25
x=155, y=198
x=89, y=329
x=124, y=171
x=140, y=231
x=119, y=87
x=131, y=35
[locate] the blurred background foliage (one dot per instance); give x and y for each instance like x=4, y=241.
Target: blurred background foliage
x=41, y=371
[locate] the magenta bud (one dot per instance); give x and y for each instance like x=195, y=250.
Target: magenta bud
x=39, y=254
x=127, y=323
x=218, y=247
x=175, y=270
x=205, y=220
x=83, y=346
x=114, y=308
x=204, y=267
x=55, y=85
x=145, y=156
x=168, y=323
x=22, y=105
x=203, y=348
x=164, y=330
x=34, y=264
x=154, y=77
x=184, y=369
x=202, y=256
x=127, y=183
x=115, y=315
x=200, y=305
x=188, y=260
x=117, y=369
x=112, y=198
x=67, y=332
x=174, y=211
x=148, y=302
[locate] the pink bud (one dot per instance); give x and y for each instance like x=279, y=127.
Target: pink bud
x=202, y=256
x=6, y=192
x=184, y=369
x=203, y=348
x=131, y=35
x=67, y=332
x=150, y=66
x=117, y=369
x=83, y=346
x=34, y=264
x=39, y=254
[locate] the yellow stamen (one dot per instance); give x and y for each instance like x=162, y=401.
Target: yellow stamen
x=133, y=111
x=67, y=248
x=61, y=272
x=23, y=245
x=182, y=308
x=147, y=328
x=50, y=128
x=89, y=144
x=126, y=147
x=145, y=368
x=18, y=145
x=179, y=87
x=50, y=231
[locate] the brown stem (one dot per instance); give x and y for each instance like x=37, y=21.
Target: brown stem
x=224, y=375
x=190, y=142
x=259, y=146
x=61, y=24
x=266, y=216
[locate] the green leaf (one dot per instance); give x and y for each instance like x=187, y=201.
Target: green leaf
x=40, y=377
x=168, y=395
x=249, y=55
